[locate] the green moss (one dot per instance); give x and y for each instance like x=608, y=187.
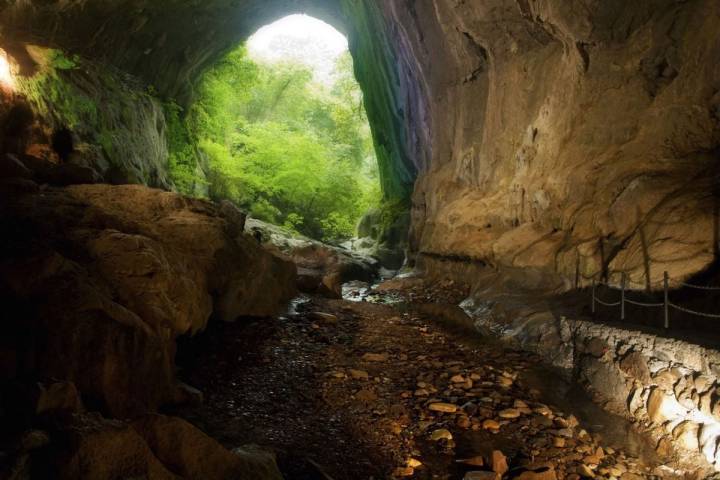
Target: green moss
x=60, y=61
x=376, y=68
x=55, y=98
x=392, y=222
x=183, y=165
x=107, y=142
x=102, y=107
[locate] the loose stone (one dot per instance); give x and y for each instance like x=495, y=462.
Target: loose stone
x=413, y=463
x=490, y=424
x=375, y=357
x=359, y=374
x=498, y=462
x=443, y=407
x=509, y=413
x=404, y=472
x=441, y=434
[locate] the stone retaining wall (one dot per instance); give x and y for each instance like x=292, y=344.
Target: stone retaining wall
x=668, y=388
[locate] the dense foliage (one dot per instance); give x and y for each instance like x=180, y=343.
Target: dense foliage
x=290, y=150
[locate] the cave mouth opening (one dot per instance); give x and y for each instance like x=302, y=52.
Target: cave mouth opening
x=282, y=131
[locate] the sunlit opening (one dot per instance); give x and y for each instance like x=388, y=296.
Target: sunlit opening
x=301, y=39
x=6, y=77
x=281, y=126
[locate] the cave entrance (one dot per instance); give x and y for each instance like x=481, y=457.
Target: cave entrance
x=282, y=127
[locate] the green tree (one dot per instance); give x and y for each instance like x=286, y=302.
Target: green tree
x=287, y=149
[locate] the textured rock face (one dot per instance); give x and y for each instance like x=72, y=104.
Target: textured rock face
x=100, y=281
x=668, y=387
x=114, y=129
x=153, y=447
x=582, y=136
x=322, y=269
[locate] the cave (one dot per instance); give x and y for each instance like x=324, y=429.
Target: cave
x=536, y=297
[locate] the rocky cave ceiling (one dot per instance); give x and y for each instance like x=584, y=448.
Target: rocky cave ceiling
x=552, y=136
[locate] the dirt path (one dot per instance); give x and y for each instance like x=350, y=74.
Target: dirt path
x=367, y=391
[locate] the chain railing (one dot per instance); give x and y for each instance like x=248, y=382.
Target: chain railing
x=666, y=304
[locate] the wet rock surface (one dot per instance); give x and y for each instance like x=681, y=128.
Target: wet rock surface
x=388, y=393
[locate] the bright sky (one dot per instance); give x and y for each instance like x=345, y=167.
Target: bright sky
x=300, y=38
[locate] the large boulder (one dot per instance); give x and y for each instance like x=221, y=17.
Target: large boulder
x=192, y=454
x=322, y=268
x=155, y=447
x=98, y=281
x=383, y=234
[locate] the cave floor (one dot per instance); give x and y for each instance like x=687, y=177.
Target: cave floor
x=375, y=390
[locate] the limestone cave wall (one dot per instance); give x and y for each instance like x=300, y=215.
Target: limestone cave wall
x=578, y=137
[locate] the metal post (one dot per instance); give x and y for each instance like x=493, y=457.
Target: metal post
x=666, y=302
x=593, y=296
x=622, y=297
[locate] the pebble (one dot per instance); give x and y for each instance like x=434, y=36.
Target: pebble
x=441, y=434
x=463, y=422
x=366, y=395
x=561, y=422
x=585, y=471
x=443, y=407
x=498, y=462
x=359, y=374
x=375, y=357
x=509, y=413
x=538, y=474
x=470, y=408
x=404, y=472
x=542, y=410
x=505, y=382
x=490, y=424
